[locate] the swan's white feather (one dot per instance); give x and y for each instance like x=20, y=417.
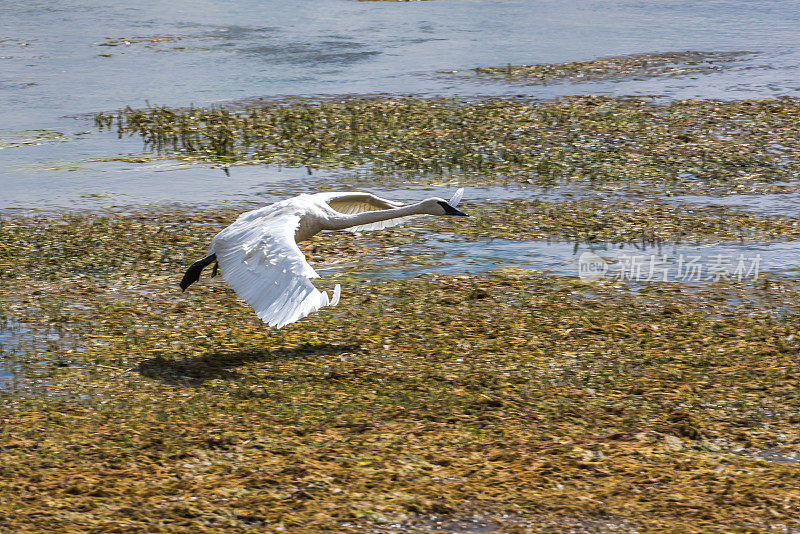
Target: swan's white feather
x=259, y=259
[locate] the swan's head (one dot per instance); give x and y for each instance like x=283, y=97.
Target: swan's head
x=439, y=206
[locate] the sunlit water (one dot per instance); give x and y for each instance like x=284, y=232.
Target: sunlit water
x=632, y=264
x=6, y=371
x=11, y=336
x=784, y=204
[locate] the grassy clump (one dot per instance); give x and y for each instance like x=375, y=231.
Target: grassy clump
x=690, y=145
x=147, y=40
x=630, y=66
x=18, y=138
x=534, y=402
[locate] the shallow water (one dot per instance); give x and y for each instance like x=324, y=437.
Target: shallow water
x=10, y=349
x=686, y=264
x=785, y=204
x=28, y=353
x=60, y=60
x=776, y=455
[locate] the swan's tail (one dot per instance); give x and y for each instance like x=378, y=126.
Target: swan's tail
x=457, y=197
x=193, y=273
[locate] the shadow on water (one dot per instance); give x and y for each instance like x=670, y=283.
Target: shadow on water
x=221, y=365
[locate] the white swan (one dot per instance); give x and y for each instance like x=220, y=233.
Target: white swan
x=259, y=258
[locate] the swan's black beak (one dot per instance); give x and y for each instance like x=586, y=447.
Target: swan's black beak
x=450, y=210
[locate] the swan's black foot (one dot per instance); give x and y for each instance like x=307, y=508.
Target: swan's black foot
x=193, y=273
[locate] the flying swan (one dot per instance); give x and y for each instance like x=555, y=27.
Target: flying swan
x=259, y=258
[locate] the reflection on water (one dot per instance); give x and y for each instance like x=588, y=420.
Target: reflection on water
x=119, y=184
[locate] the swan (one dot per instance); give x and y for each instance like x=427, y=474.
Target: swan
x=259, y=258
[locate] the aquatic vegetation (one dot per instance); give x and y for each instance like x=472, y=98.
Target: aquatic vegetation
x=630, y=66
x=18, y=138
x=13, y=42
x=153, y=42
x=149, y=40
x=527, y=401
x=686, y=145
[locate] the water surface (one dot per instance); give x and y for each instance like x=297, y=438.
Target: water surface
x=683, y=263
x=62, y=60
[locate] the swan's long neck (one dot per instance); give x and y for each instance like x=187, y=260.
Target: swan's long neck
x=368, y=217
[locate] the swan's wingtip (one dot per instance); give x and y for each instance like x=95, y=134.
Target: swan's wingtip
x=457, y=197
x=337, y=292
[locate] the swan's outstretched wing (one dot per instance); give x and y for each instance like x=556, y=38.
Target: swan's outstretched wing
x=357, y=202
x=260, y=260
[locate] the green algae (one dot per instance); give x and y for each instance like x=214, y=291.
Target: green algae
x=636, y=66
x=147, y=40
x=19, y=138
x=154, y=43
x=532, y=402
x=689, y=145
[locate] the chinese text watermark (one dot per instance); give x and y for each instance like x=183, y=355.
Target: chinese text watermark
x=664, y=268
